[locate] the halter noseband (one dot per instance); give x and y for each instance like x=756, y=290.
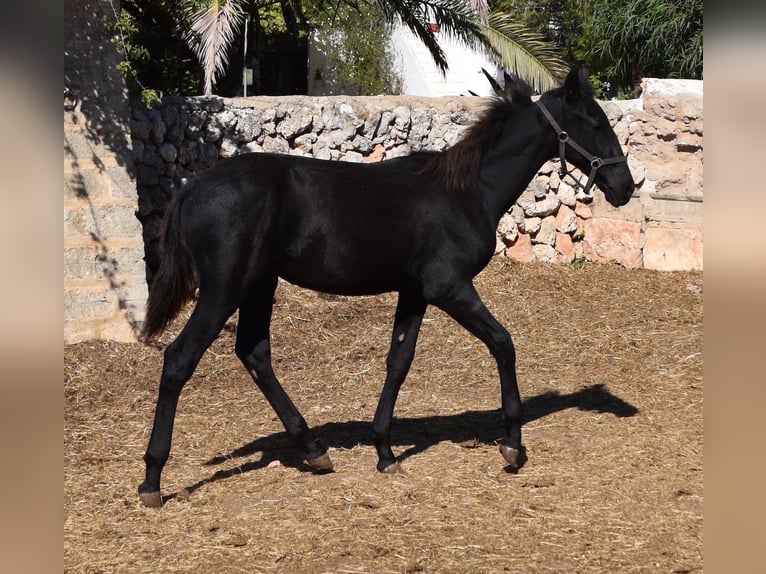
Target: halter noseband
x=564, y=139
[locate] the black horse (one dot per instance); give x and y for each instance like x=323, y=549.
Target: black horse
x=422, y=225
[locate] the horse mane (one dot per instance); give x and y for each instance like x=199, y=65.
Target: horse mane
x=458, y=166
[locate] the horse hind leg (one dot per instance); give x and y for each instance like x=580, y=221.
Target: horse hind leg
x=254, y=350
x=180, y=361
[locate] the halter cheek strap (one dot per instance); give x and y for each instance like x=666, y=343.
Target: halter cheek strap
x=564, y=140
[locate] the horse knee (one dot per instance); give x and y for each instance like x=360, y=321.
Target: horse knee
x=398, y=367
x=242, y=351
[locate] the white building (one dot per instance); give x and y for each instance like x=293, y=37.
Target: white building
x=421, y=77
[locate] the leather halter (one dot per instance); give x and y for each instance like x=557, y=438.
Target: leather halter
x=564, y=139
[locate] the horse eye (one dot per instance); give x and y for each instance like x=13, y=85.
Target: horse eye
x=596, y=125
x=593, y=123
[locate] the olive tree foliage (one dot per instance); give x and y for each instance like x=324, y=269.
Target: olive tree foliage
x=621, y=41
x=627, y=40
x=356, y=43
x=156, y=58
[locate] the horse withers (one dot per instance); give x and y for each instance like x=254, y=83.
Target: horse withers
x=422, y=225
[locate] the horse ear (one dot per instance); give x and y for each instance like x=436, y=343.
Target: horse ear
x=519, y=90
x=577, y=83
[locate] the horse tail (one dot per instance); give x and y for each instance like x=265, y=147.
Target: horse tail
x=176, y=279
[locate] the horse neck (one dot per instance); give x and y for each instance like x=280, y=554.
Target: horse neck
x=525, y=143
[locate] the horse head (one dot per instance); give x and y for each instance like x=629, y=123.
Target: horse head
x=586, y=138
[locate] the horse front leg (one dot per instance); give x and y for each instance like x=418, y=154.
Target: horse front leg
x=409, y=316
x=467, y=308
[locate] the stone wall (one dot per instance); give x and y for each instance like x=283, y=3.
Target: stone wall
x=660, y=228
x=122, y=164
x=104, y=273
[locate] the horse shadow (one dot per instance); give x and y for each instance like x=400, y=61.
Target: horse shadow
x=419, y=433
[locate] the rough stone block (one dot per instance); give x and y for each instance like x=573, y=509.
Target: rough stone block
x=546, y=235
x=673, y=249
x=507, y=230
x=119, y=330
x=544, y=253
x=120, y=182
x=82, y=263
x=583, y=211
x=82, y=184
x=566, y=192
x=565, y=247
x=566, y=220
x=546, y=206
x=631, y=211
x=80, y=305
x=521, y=250
x=613, y=240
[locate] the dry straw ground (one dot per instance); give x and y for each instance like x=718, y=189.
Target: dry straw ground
x=610, y=367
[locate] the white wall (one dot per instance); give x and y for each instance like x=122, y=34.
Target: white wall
x=421, y=77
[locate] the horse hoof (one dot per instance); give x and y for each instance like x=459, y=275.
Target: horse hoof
x=394, y=468
x=511, y=455
x=320, y=463
x=151, y=499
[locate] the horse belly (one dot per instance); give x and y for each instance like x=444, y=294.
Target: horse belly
x=343, y=267
x=339, y=283
x=345, y=236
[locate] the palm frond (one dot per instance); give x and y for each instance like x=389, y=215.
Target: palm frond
x=523, y=52
x=509, y=43
x=455, y=18
x=212, y=32
x=481, y=8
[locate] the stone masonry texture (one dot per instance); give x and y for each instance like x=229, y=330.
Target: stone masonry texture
x=660, y=228
x=104, y=270
x=124, y=162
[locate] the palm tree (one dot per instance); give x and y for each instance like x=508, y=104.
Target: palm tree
x=524, y=52
x=215, y=25
x=213, y=29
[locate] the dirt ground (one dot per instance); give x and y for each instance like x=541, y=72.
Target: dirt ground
x=610, y=369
